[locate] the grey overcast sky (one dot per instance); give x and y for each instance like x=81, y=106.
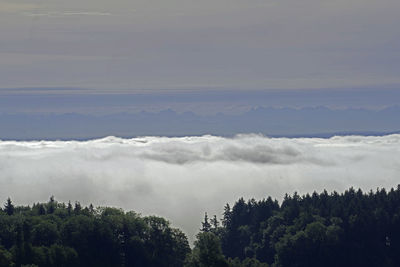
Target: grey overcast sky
x=186, y=44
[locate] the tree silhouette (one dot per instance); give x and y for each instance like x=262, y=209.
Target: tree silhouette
x=205, y=225
x=9, y=207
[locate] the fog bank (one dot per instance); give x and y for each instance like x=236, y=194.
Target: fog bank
x=181, y=178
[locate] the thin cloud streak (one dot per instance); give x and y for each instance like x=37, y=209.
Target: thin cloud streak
x=62, y=14
x=181, y=178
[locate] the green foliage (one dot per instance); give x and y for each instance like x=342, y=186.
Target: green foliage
x=248, y=262
x=5, y=257
x=205, y=225
x=55, y=234
x=9, y=207
x=44, y=233
x=349, y=229
x=207, y=252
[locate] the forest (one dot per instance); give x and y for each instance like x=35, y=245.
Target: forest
x=352, y=228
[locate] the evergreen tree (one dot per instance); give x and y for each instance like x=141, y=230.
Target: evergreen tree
x=91, y=209
x=205, y=225
x=51, y=205
x=9, y=207
x=69, y=207
x=77, y=208
x=214, y=222
x=215, y=225
x=42, y=209
x=227, y=216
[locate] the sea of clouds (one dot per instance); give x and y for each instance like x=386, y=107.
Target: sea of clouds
x=181, y=178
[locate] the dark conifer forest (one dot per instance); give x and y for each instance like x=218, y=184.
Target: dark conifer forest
x=322, y=229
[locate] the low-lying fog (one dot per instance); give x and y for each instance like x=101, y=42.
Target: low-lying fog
x=181, y=178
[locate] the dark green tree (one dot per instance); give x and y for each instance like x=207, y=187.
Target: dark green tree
x=69, y=208
x=205, y=225
x=42, y=209
x=77, y=208
x=51, y=205
x=9, y=207
x=206, y=252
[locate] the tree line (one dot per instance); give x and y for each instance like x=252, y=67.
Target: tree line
x=319, y=229
x=61, y=235
x=349, y=229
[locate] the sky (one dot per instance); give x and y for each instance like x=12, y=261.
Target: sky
x=181, y=178
x=195, y=45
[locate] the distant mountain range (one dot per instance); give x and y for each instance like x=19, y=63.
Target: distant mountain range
x=289, y=122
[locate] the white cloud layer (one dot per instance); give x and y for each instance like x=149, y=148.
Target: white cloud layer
x=181, y=178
